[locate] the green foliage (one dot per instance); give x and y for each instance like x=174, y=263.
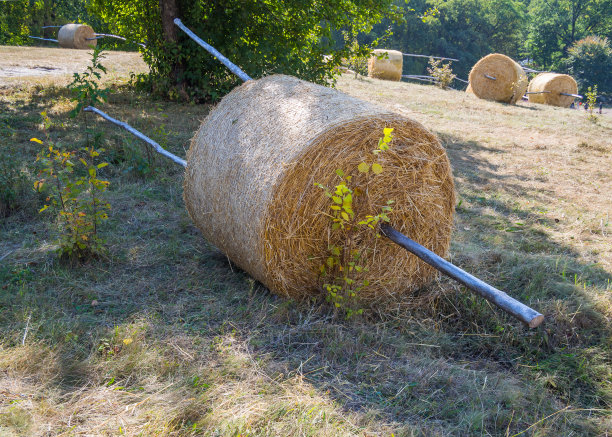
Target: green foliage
x=261, y=36
x=591, y=101
x=590, y=62
x=442, y=72
x=74, y=189
x=343, y=263
x=85, y=86
x=462, y=29
x=20, y=18
x=357, y=60
x=554, y=25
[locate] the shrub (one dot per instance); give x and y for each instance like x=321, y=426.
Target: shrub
x=590, y=62
x=262, y=37
x=443, y=73
x=74, y=189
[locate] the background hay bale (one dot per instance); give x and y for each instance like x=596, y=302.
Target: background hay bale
x=249, y=184
x=510, y=84
x=389, y=68
x=469, y=89
x=555, y=83
x=74, y=36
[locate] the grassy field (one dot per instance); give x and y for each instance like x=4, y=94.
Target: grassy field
x=165, y=337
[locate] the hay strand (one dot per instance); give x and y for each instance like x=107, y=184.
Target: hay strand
x=497, y=77
x=554, y=89
x=76, y=36
x=249, y=184
x=388, y=67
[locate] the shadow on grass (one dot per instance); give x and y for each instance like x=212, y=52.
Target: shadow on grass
x=421, y=369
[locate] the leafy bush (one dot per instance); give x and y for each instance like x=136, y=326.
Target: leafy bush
x=591, y=101
x=74, y=189
x=590, y=62
x=262, y=37
x=443, y=73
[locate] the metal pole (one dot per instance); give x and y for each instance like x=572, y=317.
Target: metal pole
x=130, y=129
x=571, y=95
x=432, y=57
x=43, y=39
x=213, y=51
x=103, y=35
x=512, y=306
x=490, y=77
x=538, y=92
x=47, y=27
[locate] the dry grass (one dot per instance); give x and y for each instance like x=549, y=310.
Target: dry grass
x=250, y=188
x=551, y=85
x=389, y=66
x=165, y=337
x=76, y=36
x=49, y=66
x=499, y=78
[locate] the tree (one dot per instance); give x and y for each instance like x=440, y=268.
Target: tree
x=590, y=62
x=462, y=29
x=557, y=24
x=261, y=36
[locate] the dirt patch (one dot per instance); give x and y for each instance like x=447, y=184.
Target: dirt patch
x=30, y=65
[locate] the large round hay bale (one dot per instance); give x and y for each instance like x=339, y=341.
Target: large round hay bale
x=553, y=84
x=388, y=67
x=510, y=81
x=252, y=166
x=469, y=89
x=76, y=36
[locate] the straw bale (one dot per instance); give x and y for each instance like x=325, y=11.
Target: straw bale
x=389, y=68
x=252, y=166
x=555, y=83
x=510, y=84
x=469, y=89
x=74, y=36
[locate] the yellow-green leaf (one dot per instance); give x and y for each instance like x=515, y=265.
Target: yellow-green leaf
x=344, y=215
x=36, y=140
x=377, y=168
x=363, y=167
x=387, y=131
x=337, y=200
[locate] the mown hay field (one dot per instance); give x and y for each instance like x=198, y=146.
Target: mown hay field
x=165, y=336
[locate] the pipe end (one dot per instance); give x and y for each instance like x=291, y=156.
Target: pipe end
x=536, y=321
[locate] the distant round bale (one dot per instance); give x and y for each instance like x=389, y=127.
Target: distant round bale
x=76, y=36
x=510, y=81
x=388, y=67
x=250, y=185
x=469, y=89
x=554, y=84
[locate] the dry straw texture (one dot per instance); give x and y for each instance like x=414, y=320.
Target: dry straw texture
x=388, y=68
x=249, y=184
x=74, y=36
x=510, y=83
x=555, y=83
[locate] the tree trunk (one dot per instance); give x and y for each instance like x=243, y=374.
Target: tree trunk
x=169, y=11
